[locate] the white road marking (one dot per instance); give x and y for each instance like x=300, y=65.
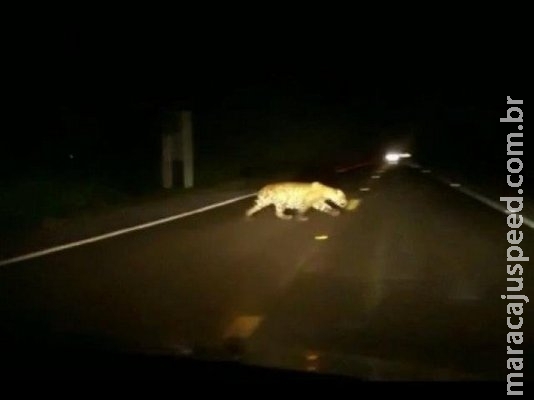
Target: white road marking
x=426, y=171
x=93, y=239
x=364, y=189
x=321, y=237
x=375, y=177
x=491, y=203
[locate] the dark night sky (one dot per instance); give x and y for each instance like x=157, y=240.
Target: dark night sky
x=75, y=85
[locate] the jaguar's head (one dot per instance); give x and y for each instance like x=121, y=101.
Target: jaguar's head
x=337, y=196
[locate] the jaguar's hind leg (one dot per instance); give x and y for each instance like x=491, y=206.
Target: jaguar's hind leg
x=279, y=210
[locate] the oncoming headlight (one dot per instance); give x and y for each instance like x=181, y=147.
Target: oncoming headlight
x=394, y=157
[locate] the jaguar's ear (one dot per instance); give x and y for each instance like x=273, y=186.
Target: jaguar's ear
x=316, y=184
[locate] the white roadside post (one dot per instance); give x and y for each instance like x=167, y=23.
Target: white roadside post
x=167, y=161
x=177, y=148
x=187, y=148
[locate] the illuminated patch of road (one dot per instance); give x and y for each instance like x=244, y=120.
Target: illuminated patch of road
x=243, y=327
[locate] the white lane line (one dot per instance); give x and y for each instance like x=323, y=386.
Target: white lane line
x=364, y=189
x=93, y=239
x=493, y=204
x=490, y=203
x=375, y=177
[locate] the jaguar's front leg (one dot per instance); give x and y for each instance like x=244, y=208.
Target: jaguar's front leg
x=324, y=207
x=301, y=214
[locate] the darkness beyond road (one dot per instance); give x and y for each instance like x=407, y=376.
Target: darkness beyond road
x=407, y=286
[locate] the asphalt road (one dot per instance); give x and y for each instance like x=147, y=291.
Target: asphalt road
x=406, y=287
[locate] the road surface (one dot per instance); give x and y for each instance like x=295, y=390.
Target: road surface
x=406, y=287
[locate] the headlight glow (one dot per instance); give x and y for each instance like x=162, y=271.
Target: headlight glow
x=392, y=157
